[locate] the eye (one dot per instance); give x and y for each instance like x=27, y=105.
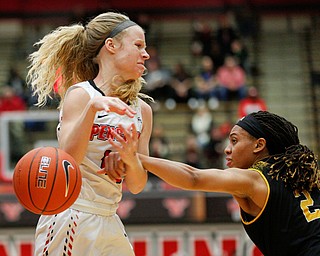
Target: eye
x=233, y=140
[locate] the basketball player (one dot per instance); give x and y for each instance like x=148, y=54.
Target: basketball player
x=96, y=69
x=274, y=179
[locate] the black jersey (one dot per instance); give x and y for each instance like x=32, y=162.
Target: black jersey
x=289, y=224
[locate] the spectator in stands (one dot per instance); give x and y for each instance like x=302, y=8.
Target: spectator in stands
x=240, y=51
x=231, y=79
x=202, y=38
x=225, y=35
x=207, y=69
x=201, y=124
x=216, y=55
x=181, y=83
x=205, y=83
x=10, y=100
x=252, y=103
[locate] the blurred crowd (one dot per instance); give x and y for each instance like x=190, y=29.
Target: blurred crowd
x=220, y=74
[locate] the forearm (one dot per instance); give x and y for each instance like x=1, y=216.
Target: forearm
x=175, y=173
x=136, y=177
x=75, y=134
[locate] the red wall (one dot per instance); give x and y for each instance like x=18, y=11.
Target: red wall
x=45, y=5
x=29, y=6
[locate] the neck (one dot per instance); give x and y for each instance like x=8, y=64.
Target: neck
x=261, y=156
x=103, y=85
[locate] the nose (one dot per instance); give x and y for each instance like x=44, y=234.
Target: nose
x=145, y=55
x=227, y=150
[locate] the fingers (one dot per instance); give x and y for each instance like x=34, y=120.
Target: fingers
x=112, y=104
x=126, y=144
x=102, y=171
x=118, y=106
x=114, y=167
x=117, y=145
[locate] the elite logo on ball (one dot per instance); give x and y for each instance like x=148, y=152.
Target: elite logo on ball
x=43, y=172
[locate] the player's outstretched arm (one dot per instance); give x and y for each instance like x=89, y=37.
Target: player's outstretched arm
x=179, y=174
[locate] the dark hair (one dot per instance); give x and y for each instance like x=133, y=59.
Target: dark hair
x=294, y=164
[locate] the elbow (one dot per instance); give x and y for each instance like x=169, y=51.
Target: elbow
x=136, y=189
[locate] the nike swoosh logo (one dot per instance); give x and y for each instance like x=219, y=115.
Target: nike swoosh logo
x=66, y=167
x=102, y=116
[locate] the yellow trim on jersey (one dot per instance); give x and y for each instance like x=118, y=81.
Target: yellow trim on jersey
x=264, y=206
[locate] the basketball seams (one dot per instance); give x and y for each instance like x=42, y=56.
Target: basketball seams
x=53, y=183
x=29, y=178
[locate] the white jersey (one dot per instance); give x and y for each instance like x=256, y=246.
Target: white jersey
x=99, y=194
x=90, y=226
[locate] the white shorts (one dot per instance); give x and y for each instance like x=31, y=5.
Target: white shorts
x=75, y=233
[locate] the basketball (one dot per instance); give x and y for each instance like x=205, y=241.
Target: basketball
x=46, y=180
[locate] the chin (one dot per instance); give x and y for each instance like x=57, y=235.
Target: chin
x=133, y=77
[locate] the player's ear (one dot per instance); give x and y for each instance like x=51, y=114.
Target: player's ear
x=260, y=145
x=109, y=44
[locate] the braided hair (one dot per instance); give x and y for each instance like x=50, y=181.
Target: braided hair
x=293, y=163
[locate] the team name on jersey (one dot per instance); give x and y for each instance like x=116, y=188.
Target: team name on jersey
x=103, y=132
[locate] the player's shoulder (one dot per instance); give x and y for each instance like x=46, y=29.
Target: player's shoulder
x=84, y=88
x=144, y=105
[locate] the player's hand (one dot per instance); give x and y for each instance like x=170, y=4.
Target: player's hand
x=114, y=167
x=126, y=146
x=112, y=104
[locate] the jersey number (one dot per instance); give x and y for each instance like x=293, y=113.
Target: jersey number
x=305, y=206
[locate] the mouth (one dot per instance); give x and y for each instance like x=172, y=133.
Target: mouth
x=228, y=162
x=141, y=65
